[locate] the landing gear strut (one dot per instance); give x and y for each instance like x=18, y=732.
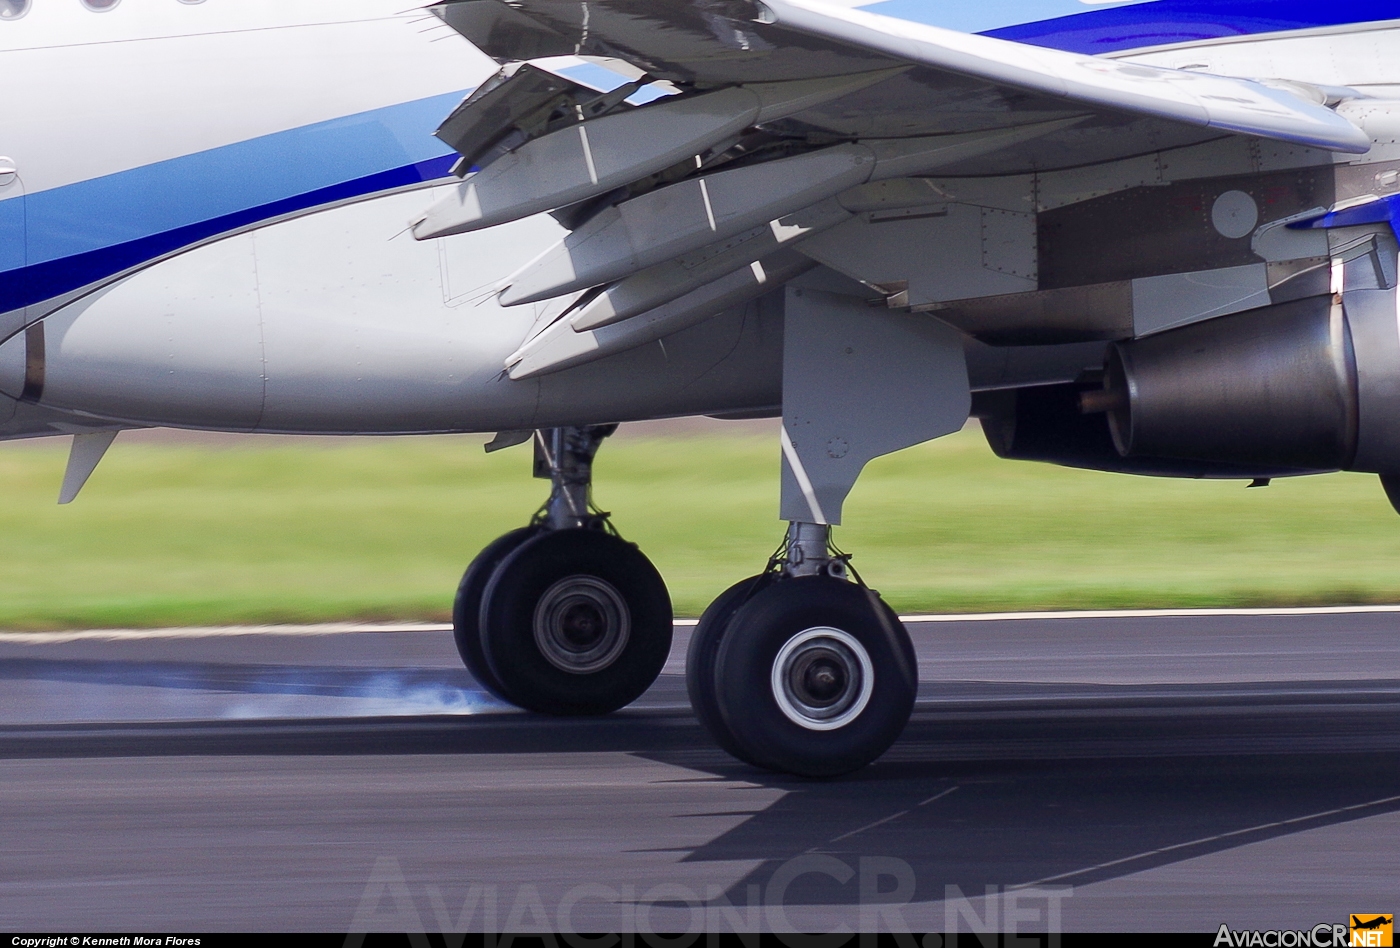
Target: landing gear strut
x=564, y=616
x=799, y=669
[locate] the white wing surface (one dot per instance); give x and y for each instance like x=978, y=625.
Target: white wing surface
x=1234, y=105
x=783, y=117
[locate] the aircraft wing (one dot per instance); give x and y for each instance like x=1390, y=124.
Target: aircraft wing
x=793, y=116
x=959, y=82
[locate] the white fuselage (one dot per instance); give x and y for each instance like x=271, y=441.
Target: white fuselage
x=210, y=217
x=209, y=210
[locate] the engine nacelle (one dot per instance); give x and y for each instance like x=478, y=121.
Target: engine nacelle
x=1312, y=384
x=1044, y=423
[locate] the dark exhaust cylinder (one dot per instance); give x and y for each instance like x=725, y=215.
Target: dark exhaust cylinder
x=1275, y=386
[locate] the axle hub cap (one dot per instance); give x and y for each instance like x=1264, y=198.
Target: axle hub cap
x=582, y=624
x=822, y=678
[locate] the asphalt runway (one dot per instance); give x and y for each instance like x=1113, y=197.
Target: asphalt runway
x=1113, y=772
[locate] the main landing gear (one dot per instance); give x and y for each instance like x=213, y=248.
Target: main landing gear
x=564, y=616
x=799, y=669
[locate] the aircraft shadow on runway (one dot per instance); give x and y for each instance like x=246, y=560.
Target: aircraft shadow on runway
x=1045, y=823
x=1006, y=794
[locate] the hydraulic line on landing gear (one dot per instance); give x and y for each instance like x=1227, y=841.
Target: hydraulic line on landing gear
x=563, y=616
x=564, y=457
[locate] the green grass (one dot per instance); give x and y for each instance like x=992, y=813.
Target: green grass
x=269, y=531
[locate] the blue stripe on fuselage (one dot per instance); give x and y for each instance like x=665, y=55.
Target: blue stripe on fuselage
x=85, y=232
x=81, y=233
x=983, y=15
x=1135, y=25
x=41, y=281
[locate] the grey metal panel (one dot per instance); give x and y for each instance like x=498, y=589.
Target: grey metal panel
x=1148, y=231
x=562, y=345
x=1067, y=315
x=925, y=102
x=497, y=105
x=1177, y=299
x=1368, y=259
x=938, y=253
x=1276, y=241
x=859, y=383
x=1362, y=179
x=1380, y=120
x=1008, y=242
x=1298, y=279
x=731, y=363
x=502, y=32
x=1098, y=140
x=1005, y=367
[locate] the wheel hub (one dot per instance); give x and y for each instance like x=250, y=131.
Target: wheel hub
x=582, y=624
x=822, y=678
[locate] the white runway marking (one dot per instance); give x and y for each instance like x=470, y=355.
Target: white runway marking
x=884, y=820
x=199, y=632
x=1208, y=839
x=1148, y=613
x=343, y=628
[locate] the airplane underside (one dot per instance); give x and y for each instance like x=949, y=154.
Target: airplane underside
x=863, y=234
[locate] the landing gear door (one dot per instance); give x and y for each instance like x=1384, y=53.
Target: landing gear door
x=859, y=382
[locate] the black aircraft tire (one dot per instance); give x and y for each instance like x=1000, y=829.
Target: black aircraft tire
x=816, y=677
x=700, y=659
x=466, y=607
x=575, y=622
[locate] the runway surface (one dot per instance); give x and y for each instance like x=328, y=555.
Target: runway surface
x=1125, y=772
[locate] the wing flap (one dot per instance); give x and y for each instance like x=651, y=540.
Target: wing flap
x=504, y=32
x=491, y=118
x=593, y=157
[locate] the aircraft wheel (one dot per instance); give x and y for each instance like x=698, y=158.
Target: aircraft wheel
x=575, y=622
x=815, y=676
x=700, y=659
x=466, y=608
